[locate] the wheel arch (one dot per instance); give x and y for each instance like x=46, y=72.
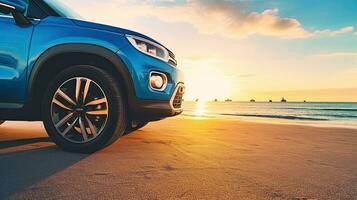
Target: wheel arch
x=62, y=56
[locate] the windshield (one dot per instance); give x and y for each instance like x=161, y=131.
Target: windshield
x=62, y=9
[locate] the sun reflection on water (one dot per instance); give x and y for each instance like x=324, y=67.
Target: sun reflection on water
x=200, y=108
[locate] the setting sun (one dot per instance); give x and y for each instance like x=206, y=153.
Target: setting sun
x=206, y=81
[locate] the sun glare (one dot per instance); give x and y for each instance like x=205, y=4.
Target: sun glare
x=207, y=82
x=200, y=108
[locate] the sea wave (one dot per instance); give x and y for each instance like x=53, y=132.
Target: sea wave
x=338, y=109
x=335, y=116
x=331, y=112
x=278, y=117
x=323, y=109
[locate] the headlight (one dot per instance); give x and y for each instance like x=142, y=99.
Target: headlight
x=148, y=47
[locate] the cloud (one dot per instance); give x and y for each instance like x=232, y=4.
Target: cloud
x=226, y=18
x=328, y=32
x=337, y=54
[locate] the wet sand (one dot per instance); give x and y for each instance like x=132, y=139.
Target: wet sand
x=184, y=158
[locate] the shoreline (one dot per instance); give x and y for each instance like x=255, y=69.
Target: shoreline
x=330, y=115
x=277, y=121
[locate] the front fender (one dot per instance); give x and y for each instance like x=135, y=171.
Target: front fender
x=81, y=48
x=54, y=36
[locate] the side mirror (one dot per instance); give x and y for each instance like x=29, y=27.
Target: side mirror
x=16, y=8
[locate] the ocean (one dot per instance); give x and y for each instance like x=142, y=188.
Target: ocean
x=337, y=114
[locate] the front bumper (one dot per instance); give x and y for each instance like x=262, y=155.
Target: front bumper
x=151, y=110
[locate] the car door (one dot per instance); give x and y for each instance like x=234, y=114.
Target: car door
x=14, y=48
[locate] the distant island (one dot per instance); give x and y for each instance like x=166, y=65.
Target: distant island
x=228, y=100
x=283, y=100
x=252, y=100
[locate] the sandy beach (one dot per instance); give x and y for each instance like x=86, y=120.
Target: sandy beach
x=183, y=158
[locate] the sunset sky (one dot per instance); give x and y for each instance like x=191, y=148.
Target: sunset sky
x=299, y=49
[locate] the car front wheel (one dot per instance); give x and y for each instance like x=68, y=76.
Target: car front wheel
x=84, y=109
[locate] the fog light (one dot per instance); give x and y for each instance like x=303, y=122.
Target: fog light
x=158, y=81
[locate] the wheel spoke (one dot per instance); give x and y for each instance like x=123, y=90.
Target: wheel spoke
x=66, y=97
x=78, y=88
x=86, y=89
x=64, y=120
x=91, y=127
x=58, y=103
x=97, y=102
x=69, y=127
x=80, y=110
x=98, y=112
x=83, y=129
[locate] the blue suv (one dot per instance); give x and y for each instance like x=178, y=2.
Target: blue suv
x=89, y=83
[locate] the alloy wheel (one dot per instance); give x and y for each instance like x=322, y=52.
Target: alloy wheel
x=79, y=110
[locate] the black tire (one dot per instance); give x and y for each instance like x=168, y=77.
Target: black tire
x=1, y=122
x=135, y=125
x=115, y=121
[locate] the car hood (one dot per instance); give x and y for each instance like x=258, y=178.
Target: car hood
x=111, y=29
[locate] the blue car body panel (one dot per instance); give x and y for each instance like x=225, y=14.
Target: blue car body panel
x=54, y=31
x=112, y=29
x=14, y=48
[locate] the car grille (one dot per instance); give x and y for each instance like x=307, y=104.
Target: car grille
x=172, y=58
x=172, y=55
x=177, y=101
